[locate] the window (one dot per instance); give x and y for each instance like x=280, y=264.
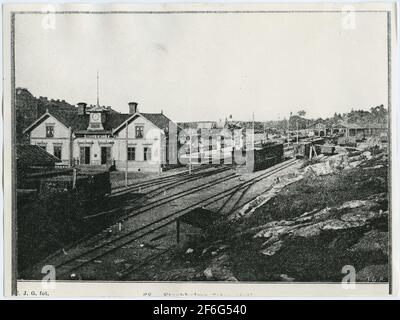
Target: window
x=147, y=153
x=84, y=155
x=49, y=131
x=222, y=142
x=139, y=132
x=57, y=151
x=131, y=153
x=43, y=146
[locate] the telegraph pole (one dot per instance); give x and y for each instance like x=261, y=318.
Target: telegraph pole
x=190, y=153
x=253, y=131
x=288, y=134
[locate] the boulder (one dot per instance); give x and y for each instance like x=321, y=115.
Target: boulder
x=309, y=230
x=362, y=216
x=356, y=204
x=208, y=273
x=336, y=224
x=232, y=279
x=274, y=231
x=272, y=249
x=219, y=269
x=323, y=214
x=367, y=155
x=285, y=277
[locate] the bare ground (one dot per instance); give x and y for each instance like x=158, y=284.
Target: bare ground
x=307, y=232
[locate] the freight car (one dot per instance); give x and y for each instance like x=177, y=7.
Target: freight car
x=305, y=149
x=260, y=158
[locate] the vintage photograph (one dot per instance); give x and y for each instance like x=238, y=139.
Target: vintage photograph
x=199, y=145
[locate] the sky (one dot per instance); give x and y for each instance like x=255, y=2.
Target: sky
x=207, y=66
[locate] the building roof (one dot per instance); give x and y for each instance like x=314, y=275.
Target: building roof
x=158, y=119
x=32, y=155
x=80, y=123
x=319, y=120
x=347, y=125
x=362, y=125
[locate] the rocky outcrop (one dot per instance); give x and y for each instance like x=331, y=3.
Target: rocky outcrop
x=341, y=161
x=263, y=198
x=349, y=215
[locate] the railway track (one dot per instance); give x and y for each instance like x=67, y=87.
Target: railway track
x=233, y=201
x=81, y=260
x=158, y=202
x=156, y=181
x=153, y=204
x=246, y=185
x=174, y=183
x=196, y=174
x=148, y=183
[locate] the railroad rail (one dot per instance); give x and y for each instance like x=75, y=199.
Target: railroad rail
x=245, y=185
x=168, y=184
x=80, y=260
x=158, y=202
x=143, y=209
x=154, y=181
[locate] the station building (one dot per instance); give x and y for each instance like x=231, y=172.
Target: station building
x=98, y=137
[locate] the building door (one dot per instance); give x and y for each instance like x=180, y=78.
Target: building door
x=85, y=155
x=106, y=155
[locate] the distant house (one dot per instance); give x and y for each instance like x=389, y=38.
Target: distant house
x=363, y=129
x=99, y=137
x=319, y=128
x=208, y=125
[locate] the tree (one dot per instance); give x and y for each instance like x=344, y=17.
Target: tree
x=301, y=113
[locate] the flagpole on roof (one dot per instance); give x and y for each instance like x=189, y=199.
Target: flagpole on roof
x=98, y=104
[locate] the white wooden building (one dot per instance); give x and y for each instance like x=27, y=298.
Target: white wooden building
x=100, y=137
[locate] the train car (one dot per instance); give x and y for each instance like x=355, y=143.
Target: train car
x=261, y=158
x=302, y=149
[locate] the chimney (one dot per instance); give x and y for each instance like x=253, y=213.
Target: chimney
x=81, y=108
x=133, y=107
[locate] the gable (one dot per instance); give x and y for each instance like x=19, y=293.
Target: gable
x=38, y=130
x=158, y=120
x=150, y=130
